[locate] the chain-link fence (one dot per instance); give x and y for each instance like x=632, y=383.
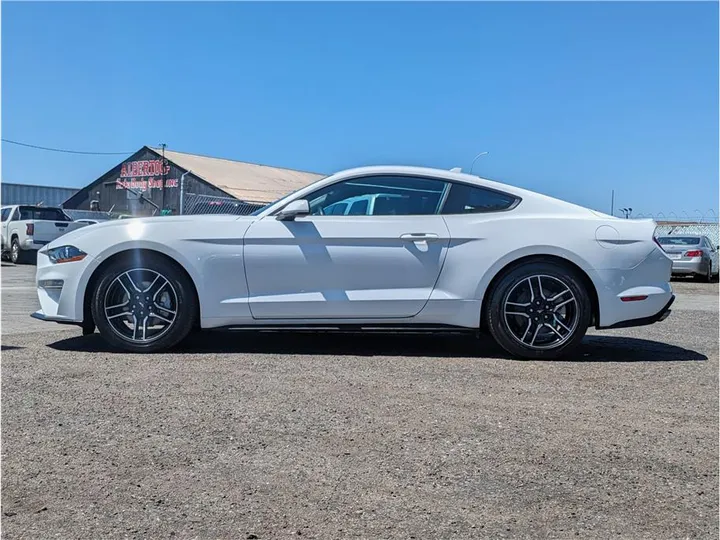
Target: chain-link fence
x=89, y=214
x=194, y=203
x=676, y=228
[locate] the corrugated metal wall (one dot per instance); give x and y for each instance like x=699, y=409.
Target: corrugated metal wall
x=27, y=194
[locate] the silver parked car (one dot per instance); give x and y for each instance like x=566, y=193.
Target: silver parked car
x=692, y=255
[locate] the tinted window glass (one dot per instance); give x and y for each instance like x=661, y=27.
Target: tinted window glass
x=5, y=214
x=359, y=208
x=466, y=199
x=336, y=209
x=47, y=214
x=384, y=195
x=679, y=241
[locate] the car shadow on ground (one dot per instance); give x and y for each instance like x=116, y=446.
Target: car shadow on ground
x=593, y=349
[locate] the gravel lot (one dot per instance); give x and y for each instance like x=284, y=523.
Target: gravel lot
x=344, y=436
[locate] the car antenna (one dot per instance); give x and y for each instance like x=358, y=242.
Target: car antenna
x=456, y=169
x=476, y=158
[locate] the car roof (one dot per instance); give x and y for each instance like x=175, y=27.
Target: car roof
x=532, y=200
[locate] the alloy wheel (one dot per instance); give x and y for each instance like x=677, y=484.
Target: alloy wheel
x=541, y=312
x=140, y=305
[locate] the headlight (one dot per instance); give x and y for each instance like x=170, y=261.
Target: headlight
x=65, y=254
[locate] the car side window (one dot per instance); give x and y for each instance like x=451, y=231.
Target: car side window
x=467, y=199
x=5, y=214
x=358, y=208
x=337, y=209
x=16, y=215
x=382, y=195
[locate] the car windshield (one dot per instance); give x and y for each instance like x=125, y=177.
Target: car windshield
x=261, y=209
x=276, y=201
x=679, y=241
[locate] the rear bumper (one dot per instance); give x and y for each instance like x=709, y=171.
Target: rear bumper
x=689, y=267
x=31, y=243
x=643, y=321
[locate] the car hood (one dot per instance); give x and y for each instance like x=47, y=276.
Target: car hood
x=108, y=228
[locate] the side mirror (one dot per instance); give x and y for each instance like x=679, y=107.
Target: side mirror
x=294, y=209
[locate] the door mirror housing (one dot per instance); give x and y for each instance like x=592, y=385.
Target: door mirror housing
x=294, y=209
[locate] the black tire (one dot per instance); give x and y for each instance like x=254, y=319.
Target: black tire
x=186, y=304
x=556, y=275
x=706, y=277
x=18, y=255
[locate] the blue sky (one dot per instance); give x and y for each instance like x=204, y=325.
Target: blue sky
x=570, y=99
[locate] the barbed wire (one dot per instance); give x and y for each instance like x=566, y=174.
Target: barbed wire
x=697, y=216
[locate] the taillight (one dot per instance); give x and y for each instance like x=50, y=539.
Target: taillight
x=693, y=253
x=637, y=298
x=29, y=229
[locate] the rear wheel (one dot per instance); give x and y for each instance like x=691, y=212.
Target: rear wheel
x=539, y=310
x=144, y=304
x=707, y=276
x=17, y=255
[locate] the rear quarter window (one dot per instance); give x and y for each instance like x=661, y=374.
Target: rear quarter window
x=467, y=199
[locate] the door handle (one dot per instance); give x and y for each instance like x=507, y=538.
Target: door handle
x=419, y=237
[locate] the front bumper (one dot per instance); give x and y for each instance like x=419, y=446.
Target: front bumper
x=661, y=315
x=63, y=303
x=53, y=318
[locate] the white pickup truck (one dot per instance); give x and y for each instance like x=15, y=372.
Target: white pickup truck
x=25, y=229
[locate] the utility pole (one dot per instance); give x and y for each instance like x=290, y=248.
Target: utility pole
x=164, y=179
x=182, y=192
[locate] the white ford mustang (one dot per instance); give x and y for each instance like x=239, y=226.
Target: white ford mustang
x=368, y=248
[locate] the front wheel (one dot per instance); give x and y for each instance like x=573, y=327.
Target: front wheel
x=144, y=303
x=539, y=310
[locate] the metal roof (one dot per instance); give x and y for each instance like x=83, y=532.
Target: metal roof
x=12, y=193
x=246, y=181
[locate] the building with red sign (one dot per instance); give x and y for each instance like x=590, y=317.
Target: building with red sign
x=154, y=182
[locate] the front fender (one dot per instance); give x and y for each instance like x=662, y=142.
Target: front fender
x=130, y=246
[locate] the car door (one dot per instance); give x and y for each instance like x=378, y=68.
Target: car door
x=5, y=217
x=350, y=266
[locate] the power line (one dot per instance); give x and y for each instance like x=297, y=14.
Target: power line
x=68, y=151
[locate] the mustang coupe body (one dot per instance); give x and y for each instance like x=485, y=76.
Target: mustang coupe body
x=375, y=247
